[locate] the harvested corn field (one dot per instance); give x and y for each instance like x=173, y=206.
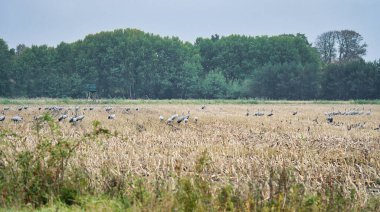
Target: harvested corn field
x=254, y=156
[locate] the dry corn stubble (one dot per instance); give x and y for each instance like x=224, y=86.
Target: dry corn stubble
x=243, y=149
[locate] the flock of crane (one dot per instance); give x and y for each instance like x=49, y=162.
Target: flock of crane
x=260, y=113
x=349, y=112
x=76, y=117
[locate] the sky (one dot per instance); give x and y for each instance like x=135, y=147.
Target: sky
x=37, y=22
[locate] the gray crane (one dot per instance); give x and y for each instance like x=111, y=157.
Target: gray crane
x=258, y=113
x=112, y=116
x=16, y=118
x=271, y=113
x=76, y=118
x=161, y=118
x=73, y=119
x=329, y=119
x=2, y=117
x=171, y=119
x=39, y=117
x=62, y=117
x=377, y=128
x=80, y=118
x=182, y=118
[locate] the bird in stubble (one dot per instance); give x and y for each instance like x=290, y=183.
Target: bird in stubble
x=377, y=128
x=80, y=118
x=62, y=117
x=161, y=118
x=16, y=119
x=75, y=119
x=329, y=119
x=271, y=113
x=171, y=119
x=112, y=116
x=108, y=109
x=2, y=117
x=183, y=118
x=258, y=113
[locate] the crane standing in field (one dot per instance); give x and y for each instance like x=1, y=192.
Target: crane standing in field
x=80, y=118
x=271, y=113
x=183, y=118
x=2, y=117
x=108, y=109
x=112, y=116
x=171, y=119
x=62, y=117
x=258, y=113
x=330, y=119
x=76, y=118
x=16, y=119
x=377, y=128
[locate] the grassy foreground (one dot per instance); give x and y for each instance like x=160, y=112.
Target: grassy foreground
x=225, y=161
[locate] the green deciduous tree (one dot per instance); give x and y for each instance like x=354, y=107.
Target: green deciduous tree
x=351, y=80
x=129, y=63
x=214, y=85
x=326, y=46
x=5, y=68
x=343, y=46
x=351, y=45
x=286, y=81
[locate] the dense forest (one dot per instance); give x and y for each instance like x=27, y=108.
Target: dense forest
x=129, y=63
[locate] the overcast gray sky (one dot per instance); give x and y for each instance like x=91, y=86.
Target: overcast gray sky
x=52, y=21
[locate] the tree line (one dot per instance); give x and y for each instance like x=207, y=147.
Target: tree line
x=129, y=63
